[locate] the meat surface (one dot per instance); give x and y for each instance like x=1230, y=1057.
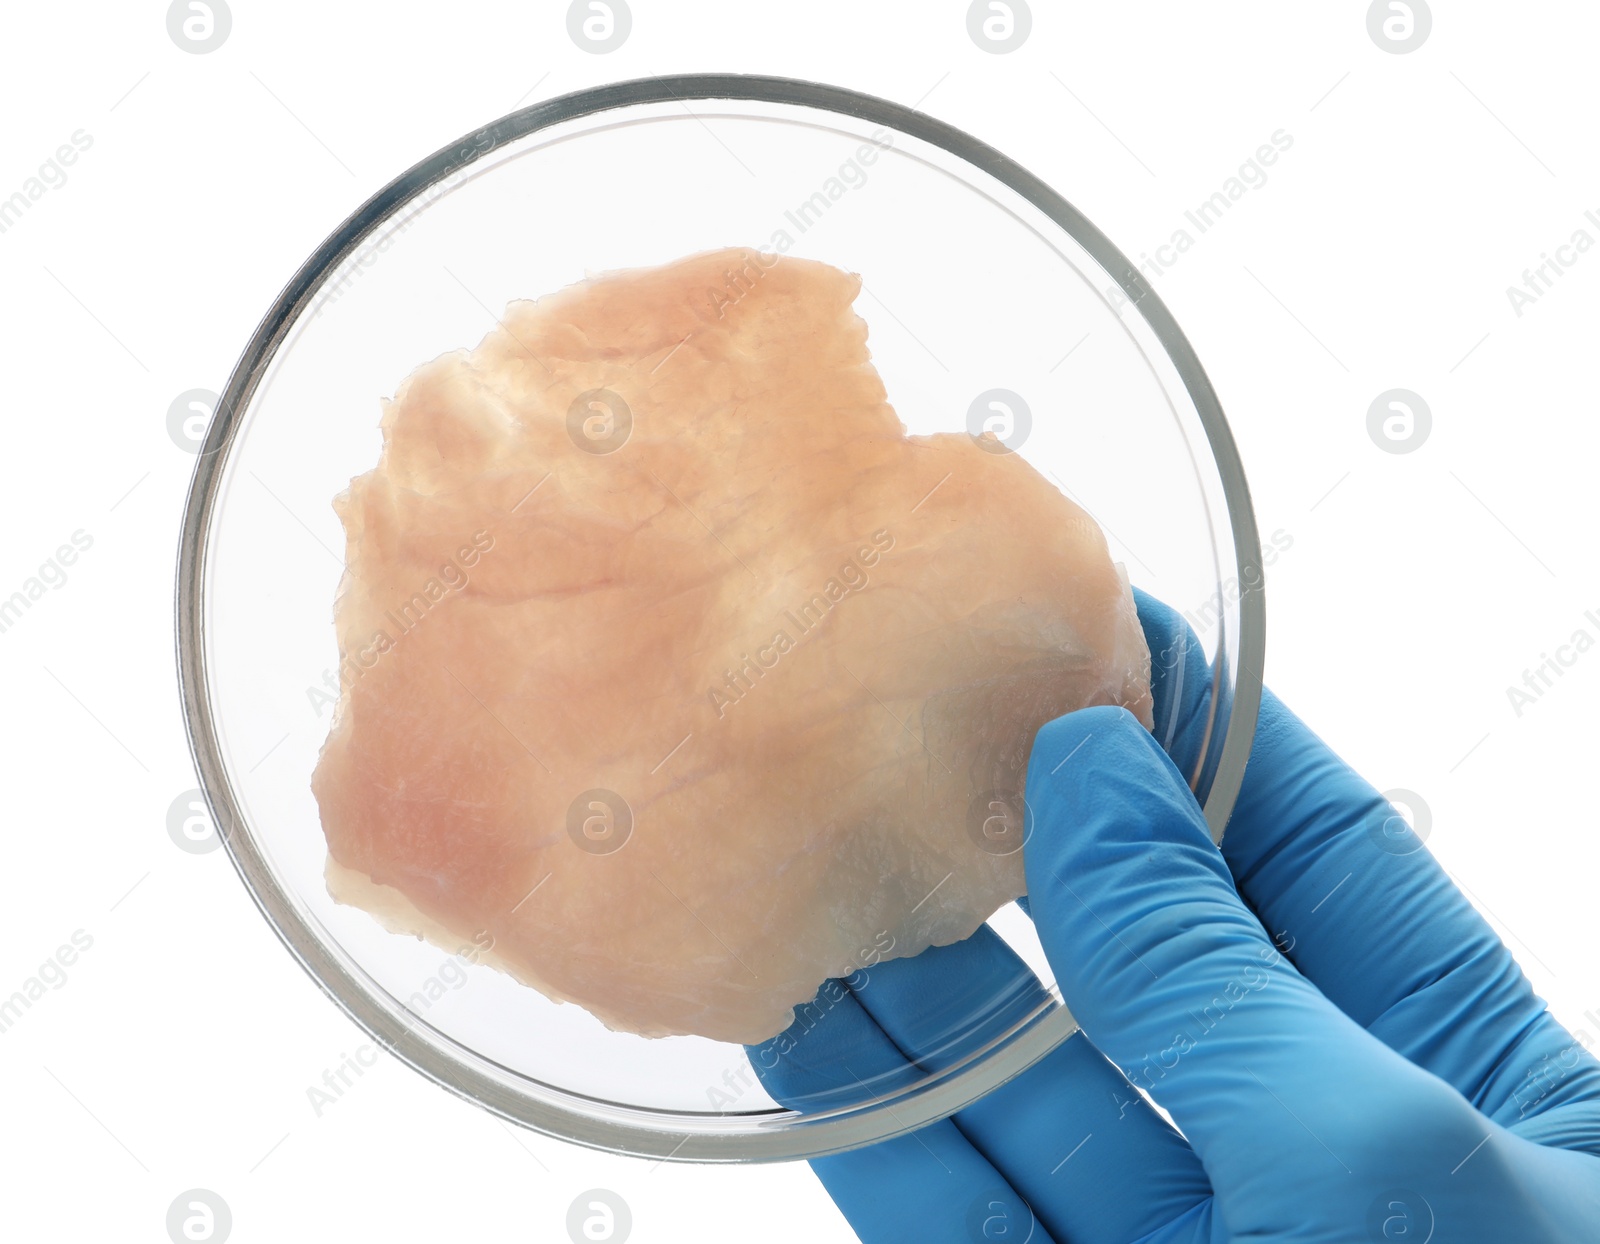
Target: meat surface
x=676, y=672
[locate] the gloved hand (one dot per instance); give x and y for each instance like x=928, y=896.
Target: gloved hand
x=1348, y=1048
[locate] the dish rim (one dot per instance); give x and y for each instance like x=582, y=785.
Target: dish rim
x=1235, y=701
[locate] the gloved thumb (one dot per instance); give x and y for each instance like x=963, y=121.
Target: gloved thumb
x=1177, y=982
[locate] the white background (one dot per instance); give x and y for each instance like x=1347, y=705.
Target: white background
x=1417, y=589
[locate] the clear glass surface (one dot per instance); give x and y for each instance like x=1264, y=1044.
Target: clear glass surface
x=975, y=278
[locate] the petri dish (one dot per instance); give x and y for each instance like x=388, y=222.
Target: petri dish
x=988, y=298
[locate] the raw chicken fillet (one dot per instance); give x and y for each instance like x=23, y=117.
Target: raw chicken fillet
x=676, y=673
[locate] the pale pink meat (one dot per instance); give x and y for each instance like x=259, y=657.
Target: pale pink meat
x=789, y=658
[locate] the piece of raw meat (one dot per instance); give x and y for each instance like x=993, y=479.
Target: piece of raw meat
x=674, y=668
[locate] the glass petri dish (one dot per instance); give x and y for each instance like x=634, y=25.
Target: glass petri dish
x=981, y=285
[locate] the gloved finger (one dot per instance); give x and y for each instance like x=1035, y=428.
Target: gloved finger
x=1376, y=923
x=932, y=1184
x=1097, y=1164
x=1574, y=1126
x=1178, y=983
x=1347, y=892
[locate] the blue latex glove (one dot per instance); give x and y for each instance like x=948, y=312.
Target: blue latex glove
x=1349, y=1050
